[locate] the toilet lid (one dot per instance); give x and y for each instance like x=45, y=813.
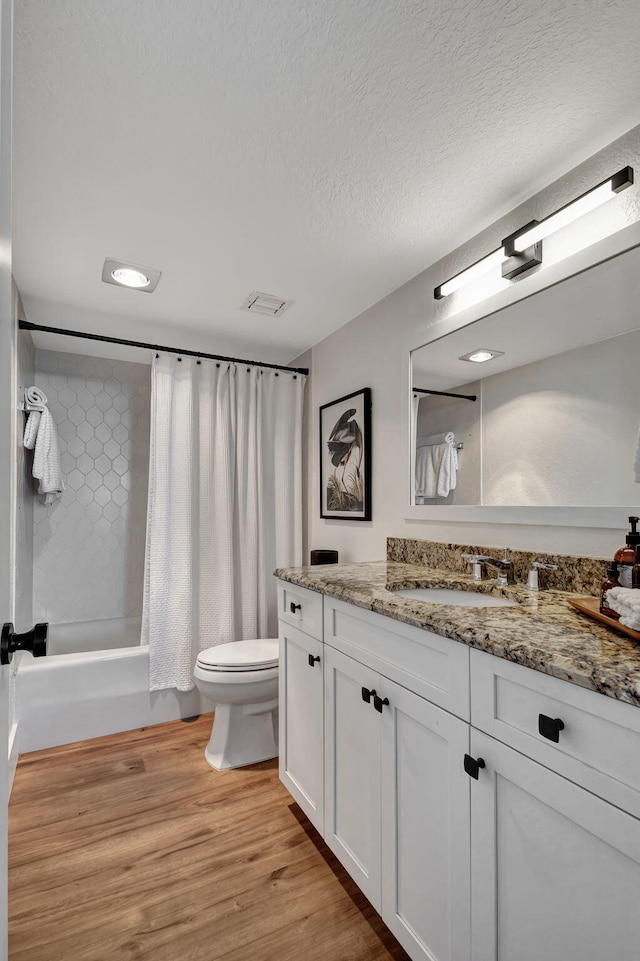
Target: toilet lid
x=255, y=655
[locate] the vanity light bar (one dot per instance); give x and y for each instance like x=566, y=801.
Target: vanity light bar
x=532, y=233
x=481, y=267
x=522, y=249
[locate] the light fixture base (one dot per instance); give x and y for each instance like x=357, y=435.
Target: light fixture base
x=518, y=263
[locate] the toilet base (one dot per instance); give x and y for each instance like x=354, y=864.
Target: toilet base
x=243, y=734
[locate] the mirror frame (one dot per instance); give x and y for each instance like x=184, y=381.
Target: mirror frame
x=588, y=517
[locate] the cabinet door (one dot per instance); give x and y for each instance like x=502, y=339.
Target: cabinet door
x=352, y=771
x=555, y=869
x=302, y=721
x=425, y=828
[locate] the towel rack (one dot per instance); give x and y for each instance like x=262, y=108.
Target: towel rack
x=444, y=393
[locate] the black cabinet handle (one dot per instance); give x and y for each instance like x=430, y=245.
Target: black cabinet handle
x=312, y=659
x=295, y=607
x=367, y=694
x=379, y=703
x=472, y=765
x=550, y=727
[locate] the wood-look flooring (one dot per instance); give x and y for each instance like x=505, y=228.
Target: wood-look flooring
x=132, y=847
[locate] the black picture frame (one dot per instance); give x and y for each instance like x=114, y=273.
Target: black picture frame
x=345, y=457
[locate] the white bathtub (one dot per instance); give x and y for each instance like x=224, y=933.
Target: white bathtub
x=89, y=691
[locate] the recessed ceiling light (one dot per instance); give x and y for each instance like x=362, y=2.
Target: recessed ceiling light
x=481, y=355
x=129, y=277
x=134, y=276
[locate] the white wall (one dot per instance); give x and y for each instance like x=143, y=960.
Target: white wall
x=563, y=431
x=89, y=545
x=373, y=350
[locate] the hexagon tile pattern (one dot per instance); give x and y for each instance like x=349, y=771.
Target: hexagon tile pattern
x=89, y=545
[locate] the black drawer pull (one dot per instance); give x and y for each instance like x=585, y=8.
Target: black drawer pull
x=312, y=659
x=379, y=703
x=550, y=727
x=295, y=607
x=472, y=765
x=367, y=694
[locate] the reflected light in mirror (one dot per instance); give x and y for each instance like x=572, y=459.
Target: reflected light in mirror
x=481, y=355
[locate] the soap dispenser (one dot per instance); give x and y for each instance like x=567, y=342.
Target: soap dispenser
x=625, y=558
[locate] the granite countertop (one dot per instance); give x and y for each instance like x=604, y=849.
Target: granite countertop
x=541, y=632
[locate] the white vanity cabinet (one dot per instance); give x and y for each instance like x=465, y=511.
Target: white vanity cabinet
x=488, y=811
x=396, y=794
x=301, y=705
x=555, y=869
x=556, y=865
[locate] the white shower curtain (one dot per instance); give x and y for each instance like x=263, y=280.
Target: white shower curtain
x=225, y=507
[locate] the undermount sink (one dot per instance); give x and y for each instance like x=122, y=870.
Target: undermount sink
x=459, y=598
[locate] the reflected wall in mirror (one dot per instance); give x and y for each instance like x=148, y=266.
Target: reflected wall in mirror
x=556, y=416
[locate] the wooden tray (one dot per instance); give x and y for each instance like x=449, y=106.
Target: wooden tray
x=591, y=607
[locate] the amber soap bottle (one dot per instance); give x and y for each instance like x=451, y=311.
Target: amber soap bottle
x=625, y=558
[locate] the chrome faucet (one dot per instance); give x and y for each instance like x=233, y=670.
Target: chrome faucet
x=533, y=581
x=479, y=562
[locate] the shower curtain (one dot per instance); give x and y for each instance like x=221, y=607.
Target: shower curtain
x=224, y=509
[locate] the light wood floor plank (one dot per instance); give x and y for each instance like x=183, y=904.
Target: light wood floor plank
x=131, y=848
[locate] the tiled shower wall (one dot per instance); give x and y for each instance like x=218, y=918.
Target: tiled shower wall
x=89, y=545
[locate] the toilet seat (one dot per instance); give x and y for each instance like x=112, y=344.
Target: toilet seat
x=253, y=655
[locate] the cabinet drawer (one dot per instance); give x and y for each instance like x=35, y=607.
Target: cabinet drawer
x=598, y=745
x=301, y=608
x=434, y=667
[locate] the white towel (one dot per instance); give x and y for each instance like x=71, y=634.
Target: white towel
x=40, y=433
x=34, y=399
x=625, y=601
x=436, y=465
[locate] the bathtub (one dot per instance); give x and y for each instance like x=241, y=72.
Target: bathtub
x=93, y=681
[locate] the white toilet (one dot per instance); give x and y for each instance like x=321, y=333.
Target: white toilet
x=242, y=679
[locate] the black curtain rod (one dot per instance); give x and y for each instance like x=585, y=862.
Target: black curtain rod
x=27, y=325
x=444, y=393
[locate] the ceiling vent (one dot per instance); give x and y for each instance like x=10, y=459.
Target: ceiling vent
x=267, y=304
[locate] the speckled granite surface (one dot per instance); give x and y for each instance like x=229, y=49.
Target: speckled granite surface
x=541, y=632
x=579, y=575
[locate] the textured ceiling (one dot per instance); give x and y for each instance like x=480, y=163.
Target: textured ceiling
x=325, y=152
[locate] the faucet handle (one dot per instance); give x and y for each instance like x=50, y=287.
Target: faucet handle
x=477, y=568
x=533, y=583
x=506, y=558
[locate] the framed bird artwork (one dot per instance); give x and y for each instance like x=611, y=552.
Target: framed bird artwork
x=345, y=457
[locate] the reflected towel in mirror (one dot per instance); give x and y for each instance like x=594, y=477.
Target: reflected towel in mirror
x=436, y=465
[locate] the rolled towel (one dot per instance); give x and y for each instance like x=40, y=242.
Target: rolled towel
x=625, y=601
x=34, y=399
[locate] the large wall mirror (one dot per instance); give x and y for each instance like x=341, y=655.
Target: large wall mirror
x=551, y=420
